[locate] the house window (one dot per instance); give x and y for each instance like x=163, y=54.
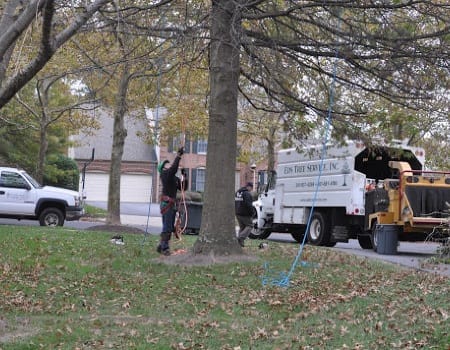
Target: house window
x=198, y=179
x=200, y=146
x=176, y=142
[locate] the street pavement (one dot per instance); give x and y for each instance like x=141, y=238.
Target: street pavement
x=141, y=215
x=412, y=255
x=138, y=215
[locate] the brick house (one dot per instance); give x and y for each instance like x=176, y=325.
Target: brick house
x=139, y=181
x=138, y=161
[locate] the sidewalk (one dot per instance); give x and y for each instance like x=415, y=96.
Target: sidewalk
x=140, y=220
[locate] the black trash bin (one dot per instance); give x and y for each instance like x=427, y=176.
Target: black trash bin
x=387, y=239
x=192, y=220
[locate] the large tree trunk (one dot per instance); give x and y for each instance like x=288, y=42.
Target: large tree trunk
x=43, y=89
x=217, y=233
x=119, y=135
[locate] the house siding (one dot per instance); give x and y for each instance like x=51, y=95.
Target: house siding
x=138, y=157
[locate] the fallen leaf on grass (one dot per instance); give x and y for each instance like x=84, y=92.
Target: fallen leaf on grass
x=443, y=313
x=379, y=326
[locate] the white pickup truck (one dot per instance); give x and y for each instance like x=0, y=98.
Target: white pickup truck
x=22, y=197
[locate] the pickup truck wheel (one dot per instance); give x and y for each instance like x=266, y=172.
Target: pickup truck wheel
x=319, y=230
x=51, y=217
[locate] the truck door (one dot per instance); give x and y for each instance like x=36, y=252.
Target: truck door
x=16, y=194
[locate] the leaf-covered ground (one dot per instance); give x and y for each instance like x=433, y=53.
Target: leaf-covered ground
x=63, y=289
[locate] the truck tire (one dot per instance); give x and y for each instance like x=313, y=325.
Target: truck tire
x=319, y=230
x=374, y=236
x=258, y=233
x=298, y=235
x=51, y=217
x=365, y=241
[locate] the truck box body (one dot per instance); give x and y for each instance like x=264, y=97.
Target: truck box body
x=297, y=186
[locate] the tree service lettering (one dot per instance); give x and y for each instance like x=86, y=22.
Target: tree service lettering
x=311, y=168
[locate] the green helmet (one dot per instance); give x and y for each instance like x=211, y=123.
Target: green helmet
x=161, y=165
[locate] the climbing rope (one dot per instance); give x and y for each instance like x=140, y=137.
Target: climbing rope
x=182, y=207
x=182, y=213
x=282, y=279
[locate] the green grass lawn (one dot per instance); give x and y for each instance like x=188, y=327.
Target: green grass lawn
x=94, y=212
x=69, y=289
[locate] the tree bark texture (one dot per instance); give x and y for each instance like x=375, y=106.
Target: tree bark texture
x=119, y=135
x=43, y=89
x=217, y=233
x=6, y=22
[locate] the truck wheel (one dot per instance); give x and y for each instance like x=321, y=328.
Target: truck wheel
x=51, y=217
x=258, y=233
x=319, y=230
x=298, y=235
x=374, y=236
x=365, y=241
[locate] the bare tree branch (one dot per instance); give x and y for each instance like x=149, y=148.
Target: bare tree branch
x=48, y=46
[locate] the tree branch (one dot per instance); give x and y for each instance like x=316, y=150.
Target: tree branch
x=48, y=48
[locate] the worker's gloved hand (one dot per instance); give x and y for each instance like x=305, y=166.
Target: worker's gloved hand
x=180, y=151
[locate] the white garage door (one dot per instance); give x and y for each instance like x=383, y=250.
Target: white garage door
x=134, y=187
x=96, y=186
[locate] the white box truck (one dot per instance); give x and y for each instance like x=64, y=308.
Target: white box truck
x=351, y=190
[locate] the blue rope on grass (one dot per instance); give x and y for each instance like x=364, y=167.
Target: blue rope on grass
x=282, y=279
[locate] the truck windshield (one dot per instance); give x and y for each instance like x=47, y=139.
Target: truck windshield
x=266, y=180
x=272, y=180
x=31, y=180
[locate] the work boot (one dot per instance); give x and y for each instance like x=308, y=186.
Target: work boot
x=241, y=241
x=163, y=246
x=165, y=252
